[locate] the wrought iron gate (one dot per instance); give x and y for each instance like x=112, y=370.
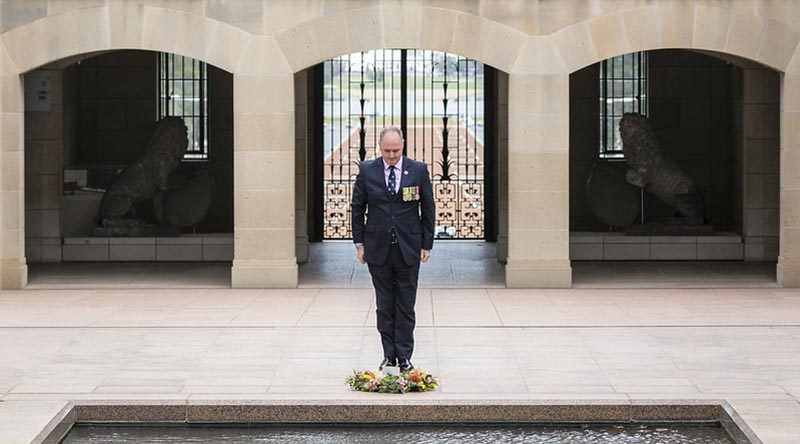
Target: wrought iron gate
x=437, y=99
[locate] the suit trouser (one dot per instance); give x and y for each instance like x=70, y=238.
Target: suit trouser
x=395, y=285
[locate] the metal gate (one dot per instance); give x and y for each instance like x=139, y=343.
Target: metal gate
x=437, y=99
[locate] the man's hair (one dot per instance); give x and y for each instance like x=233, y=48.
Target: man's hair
x=390, y=129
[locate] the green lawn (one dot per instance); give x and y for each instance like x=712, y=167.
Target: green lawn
x=331, y=120
x=423, y=86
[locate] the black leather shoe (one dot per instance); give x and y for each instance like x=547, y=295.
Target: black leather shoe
x=388, y=362
x=405, y=365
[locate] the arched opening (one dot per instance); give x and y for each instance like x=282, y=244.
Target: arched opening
x=449, y=108
x=715, y=122
x=90, y=117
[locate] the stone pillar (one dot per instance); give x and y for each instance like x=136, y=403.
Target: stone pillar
x=502, y=167
x=301, y=164
x=44, y=136
x=760, y=163
x=13, y=268
x=788, y=268
x=538, y=181
x=264, y=188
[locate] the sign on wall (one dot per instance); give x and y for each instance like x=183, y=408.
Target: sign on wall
x=37, y=91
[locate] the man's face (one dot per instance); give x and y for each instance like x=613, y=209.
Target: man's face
x=391, y=147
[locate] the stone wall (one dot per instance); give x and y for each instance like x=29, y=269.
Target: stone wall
x=302, y=99
x=220, y=146
x=502, y=166
x=43, y=141
x=116, y=107
x=584, y=140
x=759, y=139
x=690, y=108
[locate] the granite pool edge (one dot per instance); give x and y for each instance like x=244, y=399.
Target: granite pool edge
x=399, y=411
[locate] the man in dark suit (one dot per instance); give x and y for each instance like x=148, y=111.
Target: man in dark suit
x=396, y=195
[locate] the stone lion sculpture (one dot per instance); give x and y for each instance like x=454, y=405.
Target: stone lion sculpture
x=650, y=169
x=181, y=196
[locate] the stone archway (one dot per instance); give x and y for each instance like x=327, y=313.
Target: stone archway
x=259, y=70
x=404, y=26
x=539, y=129
x=401, y=25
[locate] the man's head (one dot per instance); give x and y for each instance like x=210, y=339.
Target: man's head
x=391, y=143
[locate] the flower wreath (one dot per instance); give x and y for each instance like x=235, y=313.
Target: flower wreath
x=414, y=380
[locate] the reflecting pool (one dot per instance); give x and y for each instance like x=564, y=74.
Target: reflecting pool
x=475, y=434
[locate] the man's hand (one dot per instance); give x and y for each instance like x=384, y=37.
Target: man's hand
x=360, y=253
x=424, y=255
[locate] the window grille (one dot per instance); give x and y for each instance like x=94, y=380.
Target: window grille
x=183, y=92
x=623, y=89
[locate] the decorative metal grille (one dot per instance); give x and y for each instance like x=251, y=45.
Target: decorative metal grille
x=623, y=89
x=438, y=101
x=183, y=92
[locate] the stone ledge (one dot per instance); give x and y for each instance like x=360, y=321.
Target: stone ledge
x=591, y=246
x=210, y=247
x=402, y=410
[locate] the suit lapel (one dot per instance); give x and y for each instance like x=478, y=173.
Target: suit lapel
x=403, y=175
x=382, y=177
x=406, y=170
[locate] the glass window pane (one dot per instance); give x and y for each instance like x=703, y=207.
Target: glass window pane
x=623, y=88
x=629, y=89
x=183, y=91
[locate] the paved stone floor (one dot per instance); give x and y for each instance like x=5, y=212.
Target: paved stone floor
x=173, y=331
x=455, y=264
x=742, y=345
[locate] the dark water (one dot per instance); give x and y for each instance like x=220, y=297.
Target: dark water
x=482, y=434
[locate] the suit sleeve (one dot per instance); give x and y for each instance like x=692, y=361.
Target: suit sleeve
x=428, y=207
x=358, y=207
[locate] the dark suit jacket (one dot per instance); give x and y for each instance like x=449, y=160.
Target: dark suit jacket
x=413, y=220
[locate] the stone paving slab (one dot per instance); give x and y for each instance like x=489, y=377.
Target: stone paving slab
x=435, y=307
x=21, y=422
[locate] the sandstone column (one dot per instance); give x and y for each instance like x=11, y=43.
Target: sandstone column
x=301, y=95
x=538, y=181
x=13, y=268
x=788, y=269
x=502, y=167
x=44, y=145
x=264, y=188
